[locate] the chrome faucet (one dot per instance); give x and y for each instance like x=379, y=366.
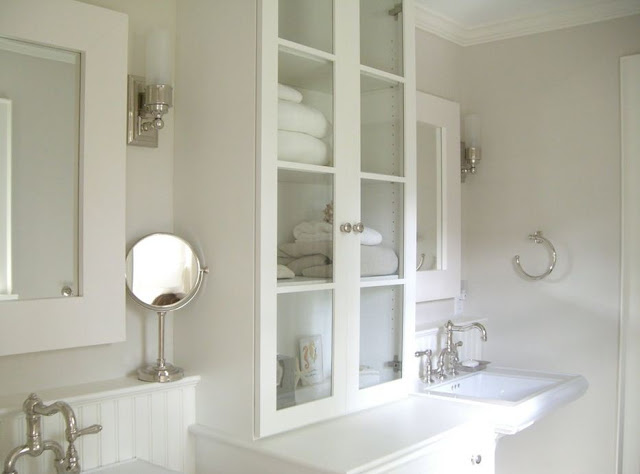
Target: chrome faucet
x=34, y=409
x=448, y=357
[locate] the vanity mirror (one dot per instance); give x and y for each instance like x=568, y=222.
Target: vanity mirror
x=39, y=186
x=62, y=125
x=164, y=274
x=438, y=198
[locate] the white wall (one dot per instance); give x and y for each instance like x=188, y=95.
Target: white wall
x=149, y=209
x=550, y=113
x=215, y=151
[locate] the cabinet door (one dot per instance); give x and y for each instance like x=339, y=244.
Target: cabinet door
x=300, y=379
x=387, y=196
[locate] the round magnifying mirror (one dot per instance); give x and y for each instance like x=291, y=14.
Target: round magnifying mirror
x=163, y=274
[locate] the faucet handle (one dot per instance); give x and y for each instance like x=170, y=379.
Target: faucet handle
x=93, y=429
x=425, y=374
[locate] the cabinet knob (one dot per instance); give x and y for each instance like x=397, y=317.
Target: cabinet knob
x=359, y=227
x=346, y=228
x=477, y=459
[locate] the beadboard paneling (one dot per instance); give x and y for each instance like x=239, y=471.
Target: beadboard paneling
x=139, y=421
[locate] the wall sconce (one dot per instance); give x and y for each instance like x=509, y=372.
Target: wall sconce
x=151, y=97
x=470, y=146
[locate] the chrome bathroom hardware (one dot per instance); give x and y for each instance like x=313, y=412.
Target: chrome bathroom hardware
x=34, y=410
x=538, y=239
x=420, y=262
x=426, y=370
x=450, y=352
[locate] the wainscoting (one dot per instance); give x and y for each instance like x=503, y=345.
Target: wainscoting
x=147, y=421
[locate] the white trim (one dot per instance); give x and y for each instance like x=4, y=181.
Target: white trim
x=38, y=51
x=451, y=30
x=7, y=158
x=629, y=357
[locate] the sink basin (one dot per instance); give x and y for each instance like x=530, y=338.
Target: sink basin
x=513, y=399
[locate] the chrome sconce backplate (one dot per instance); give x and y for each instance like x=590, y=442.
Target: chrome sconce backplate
x=469, y=158
x=146, y=104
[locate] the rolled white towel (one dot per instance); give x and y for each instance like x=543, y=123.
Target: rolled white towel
x=377, y=260
x=301, y=118
x=302, y=148
x=370, y=237
x=314, y=231
x=284, y=272
x=289, y=93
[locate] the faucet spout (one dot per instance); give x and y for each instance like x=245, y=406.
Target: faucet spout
x=12, y=459
x=451, y=327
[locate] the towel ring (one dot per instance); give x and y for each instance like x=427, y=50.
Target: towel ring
x=538, y=239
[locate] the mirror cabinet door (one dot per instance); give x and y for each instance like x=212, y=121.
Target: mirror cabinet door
x=39, y=165
x=438, y=198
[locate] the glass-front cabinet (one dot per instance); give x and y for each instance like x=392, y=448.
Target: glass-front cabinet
x=335, y=208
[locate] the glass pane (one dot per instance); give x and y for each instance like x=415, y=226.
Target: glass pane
x=305, y=347
x=382, y=239
x=381, y=35
x=382, y=130
x=305, y=109
x=308, y=22
x=429, y=204
x=305, y=229
x=39, y=169
x=380, y=334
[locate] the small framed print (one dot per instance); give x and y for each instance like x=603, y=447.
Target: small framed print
x=311, y=360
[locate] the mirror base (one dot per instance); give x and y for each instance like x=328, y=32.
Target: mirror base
x=155, y=373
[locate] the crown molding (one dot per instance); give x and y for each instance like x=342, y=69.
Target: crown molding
x=453, y=31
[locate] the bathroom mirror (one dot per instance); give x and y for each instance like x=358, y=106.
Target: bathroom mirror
x=65, y=224
x=429, y=190
x=39, y=169
x=163, y=274
x=438, y=198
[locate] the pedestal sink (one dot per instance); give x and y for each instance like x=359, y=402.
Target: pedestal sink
x=513, y=399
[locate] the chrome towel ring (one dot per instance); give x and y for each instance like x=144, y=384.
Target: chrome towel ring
x=538, y=239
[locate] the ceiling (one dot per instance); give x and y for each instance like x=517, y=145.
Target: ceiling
x=468, y=22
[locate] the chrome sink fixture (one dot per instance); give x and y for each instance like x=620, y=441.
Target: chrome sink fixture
x=34, y=409
x=448, y=360
x=513, y=399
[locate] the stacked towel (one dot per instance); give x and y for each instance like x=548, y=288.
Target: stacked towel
x=313, y=231
x=300, y=129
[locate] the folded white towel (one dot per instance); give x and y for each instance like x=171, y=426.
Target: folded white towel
x=370, y=237
x=284, y=272
x=301, y=118
x=314, y=231
x=302, y=148
x=320, y=271
x=289, y=93
x=300, y=264
x=302, y=249
x=377, y=260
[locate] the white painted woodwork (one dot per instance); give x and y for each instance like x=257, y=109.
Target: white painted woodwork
x=146, y=421
x=629, y=405
x=445, y=281
x=414, y=435
x=333, y=80
x=467, y=22
x=97, y=316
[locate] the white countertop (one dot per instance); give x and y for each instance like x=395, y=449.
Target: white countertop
x=365, y=439
x=131, y=467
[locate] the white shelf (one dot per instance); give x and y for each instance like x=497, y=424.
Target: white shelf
x=305, y=68
x=374, y=79
x=384, y=280
x=385, y=178
x=301, y=284
x=293, y=166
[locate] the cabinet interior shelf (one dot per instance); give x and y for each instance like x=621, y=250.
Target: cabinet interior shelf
x=301, y=284
x=305, y=68
x=296, y=167
x=383, y=280
x=375, y=80
x=385, y=178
